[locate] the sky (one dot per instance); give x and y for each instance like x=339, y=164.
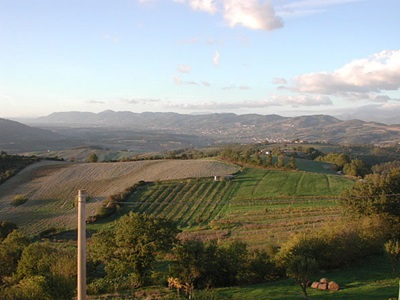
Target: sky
x=286, y=57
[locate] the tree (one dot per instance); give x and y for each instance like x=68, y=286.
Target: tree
x=376, y=194
x=355, y=168
x=392, y=249
x=92, y=158
x=57, y=267
x=10, y=252
x=292, y=163
x=268, y=162
x=281, y=161
x=301, y=269
x=6, y=228
x=129, y=250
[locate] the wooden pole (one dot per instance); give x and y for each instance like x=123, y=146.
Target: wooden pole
x=81, y=245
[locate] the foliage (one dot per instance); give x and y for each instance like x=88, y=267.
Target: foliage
x=129, y=250
x=355, y=168
x=12, y=164
x=10, y=252
x=301, y=269
x=203, y=265
x=92, y=158
x=19, y=200
x=56, y=268
x=29, y=288
x=339, y=159
x=376, y=194
x=252, y=155
x=337, y=245
x=392, y=249
x=113, y=202
x=6, y=228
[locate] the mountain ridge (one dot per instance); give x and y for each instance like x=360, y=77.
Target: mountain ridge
x=230, y=127
x=158, y=131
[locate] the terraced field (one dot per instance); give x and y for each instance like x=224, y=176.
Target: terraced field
x=51, y=187
x=257, y=206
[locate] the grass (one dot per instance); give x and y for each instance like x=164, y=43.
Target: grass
x=52, y=187
x=257, y=206
x=369, y=280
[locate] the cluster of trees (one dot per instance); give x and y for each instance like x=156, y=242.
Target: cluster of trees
x=204, y=265
x=113, y=202
x=251, y=155
x=12, y=164
x=342, y=162
x=377, y=193
x=33, y=270
x=123, y=257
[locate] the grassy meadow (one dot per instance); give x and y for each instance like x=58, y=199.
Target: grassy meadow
x=258, y=206
x=369, y=280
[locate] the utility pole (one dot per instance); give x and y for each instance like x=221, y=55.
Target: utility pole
x=81, y=245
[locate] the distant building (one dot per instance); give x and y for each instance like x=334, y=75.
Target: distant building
x=222, y=178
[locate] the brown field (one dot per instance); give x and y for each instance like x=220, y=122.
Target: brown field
x=51, y=187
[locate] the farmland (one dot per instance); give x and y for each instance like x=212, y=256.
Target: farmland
x=51, y=187
x=256, y=206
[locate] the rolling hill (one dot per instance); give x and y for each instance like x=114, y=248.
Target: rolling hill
x=256, y=202
x=16, y=137
x=51, y=187
x=229, y=127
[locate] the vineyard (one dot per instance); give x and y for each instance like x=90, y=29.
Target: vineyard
x=51, y=187
x=256, y=206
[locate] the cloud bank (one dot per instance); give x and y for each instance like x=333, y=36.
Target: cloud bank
x=376, y=73
x=252, y=14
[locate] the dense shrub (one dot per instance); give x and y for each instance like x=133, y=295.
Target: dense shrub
x=337, y=245
x=19, y=200
x=113, y=202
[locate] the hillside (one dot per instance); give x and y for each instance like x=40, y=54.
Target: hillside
x=255, y=202
x=16, y=137
x=229, y=127
x=51, y=187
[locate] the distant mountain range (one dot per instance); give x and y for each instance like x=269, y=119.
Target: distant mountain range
x=16, y=137
x=229, y=127
x=144, y=132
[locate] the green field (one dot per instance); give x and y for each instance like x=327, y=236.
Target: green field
x=371, y=280
x=257, y=206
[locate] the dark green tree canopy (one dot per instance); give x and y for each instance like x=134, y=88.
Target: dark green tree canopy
x=377, y=193
x=129, y=250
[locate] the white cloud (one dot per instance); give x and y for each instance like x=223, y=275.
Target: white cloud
x=179, y=81
x=141, y=100
x=95, y=102
x=376, y=73
x=302, y=100
x=184, y=69
x=251, y=14
x=208, y=6
x=216, y=58
x=296, y=101
x=308, y=7
x=279, y=81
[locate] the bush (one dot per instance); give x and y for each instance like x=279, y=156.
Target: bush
x=19, y=200
x=337, y=245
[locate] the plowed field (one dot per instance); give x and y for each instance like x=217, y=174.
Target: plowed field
x=51, y=187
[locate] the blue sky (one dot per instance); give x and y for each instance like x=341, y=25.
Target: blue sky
x=288, y=57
